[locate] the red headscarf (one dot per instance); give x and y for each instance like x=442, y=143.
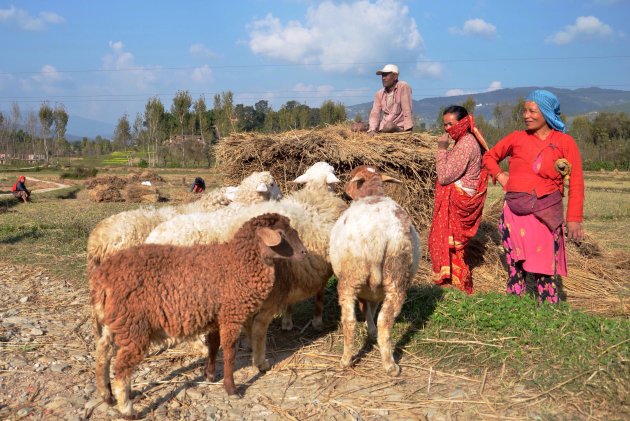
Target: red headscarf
x=22, y=178
x=465, y=125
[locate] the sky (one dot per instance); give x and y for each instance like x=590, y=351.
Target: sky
x=103, y=59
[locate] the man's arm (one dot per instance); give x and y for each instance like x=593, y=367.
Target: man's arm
x=375, y=114
x=406, y=104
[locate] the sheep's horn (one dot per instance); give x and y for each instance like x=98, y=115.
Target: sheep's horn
x=388, y=179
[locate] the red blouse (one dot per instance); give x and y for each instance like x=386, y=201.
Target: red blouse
x=524, y=151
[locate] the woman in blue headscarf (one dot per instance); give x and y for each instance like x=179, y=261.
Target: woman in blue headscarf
x=532, y=223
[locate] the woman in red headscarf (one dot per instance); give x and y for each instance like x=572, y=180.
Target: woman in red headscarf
x=20, y=191
x=460, y=194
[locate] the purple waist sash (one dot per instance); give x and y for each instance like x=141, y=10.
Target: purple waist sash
x=548, y=209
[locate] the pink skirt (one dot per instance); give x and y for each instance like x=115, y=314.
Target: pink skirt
x=533, y=243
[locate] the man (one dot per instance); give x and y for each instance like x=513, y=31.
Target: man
x=392, y=109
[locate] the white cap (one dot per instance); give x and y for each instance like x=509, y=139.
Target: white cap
x=389, y=68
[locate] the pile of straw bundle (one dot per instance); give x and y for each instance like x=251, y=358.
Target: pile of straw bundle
x=406, y=156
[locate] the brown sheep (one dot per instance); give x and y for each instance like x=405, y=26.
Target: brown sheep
x=150, y=293
x=374, y=251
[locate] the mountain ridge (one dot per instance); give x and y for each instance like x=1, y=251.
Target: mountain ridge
x=573, y=102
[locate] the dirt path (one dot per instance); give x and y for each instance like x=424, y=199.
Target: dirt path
x=46, y=372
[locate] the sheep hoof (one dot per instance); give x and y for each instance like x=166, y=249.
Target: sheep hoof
x=264, y=366
x=287, y=323
x=345, y=362
x=109, y=400
x=393, y=370
x=318, y=324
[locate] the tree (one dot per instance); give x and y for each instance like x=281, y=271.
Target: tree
x=46, y=120
x=331, y=113
x=60, y=116
x=200, y=115
x=470, y=105
x=224, y=112
x=122, y=134
x=153, y=116
x=181, y=108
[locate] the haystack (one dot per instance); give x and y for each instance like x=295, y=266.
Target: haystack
x=105, y=193
x=118, y=189
x=406, y=156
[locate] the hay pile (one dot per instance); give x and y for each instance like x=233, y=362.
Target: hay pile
x=597, y=279
x=111, y=188
x=406, y=156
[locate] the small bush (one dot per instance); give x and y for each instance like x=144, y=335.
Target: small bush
x=79, y=173
x=143, y=163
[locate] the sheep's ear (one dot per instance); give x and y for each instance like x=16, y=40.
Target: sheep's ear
x=301, y=179
x=357, y=177
x=262, y=188
x=269, y=236
x=388, y=179
x=331, y=179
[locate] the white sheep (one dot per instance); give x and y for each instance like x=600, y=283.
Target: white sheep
x=130, y=228
x=374, y=251
x=312, y=211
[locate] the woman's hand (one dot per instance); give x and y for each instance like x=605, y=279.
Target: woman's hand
x=576, y=232
x=443, y=141
x=503, y=178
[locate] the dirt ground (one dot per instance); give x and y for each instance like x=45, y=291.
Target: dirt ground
x=47, y=372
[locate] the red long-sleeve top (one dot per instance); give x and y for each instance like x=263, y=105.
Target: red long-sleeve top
x=527, y=153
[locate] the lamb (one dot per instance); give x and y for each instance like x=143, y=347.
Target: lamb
x=312, y=210
x=375, y=252
x=130, y=228
x=150, y=293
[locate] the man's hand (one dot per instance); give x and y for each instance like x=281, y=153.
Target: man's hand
x=576, y=232
x=443, y=141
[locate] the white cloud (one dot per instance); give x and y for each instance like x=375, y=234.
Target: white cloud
x=201, y=50
x=25, y=21
x=494, y=85
x=475, y=27
x=584, y=27
x=123, y=70
x=429, y=69
x=201, y=74
x=48, y=74
x=49, y=80
x=339, y=37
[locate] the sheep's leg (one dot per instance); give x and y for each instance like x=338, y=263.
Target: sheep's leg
x=212, y=342
x=259, y=338
x=348, y=320
x=104, y=354
x=127, y=358
x=318, y=323
x=370, y=310
x=391, y=308
x=229, y=333
x=287, y=318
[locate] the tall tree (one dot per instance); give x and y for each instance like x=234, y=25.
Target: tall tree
x=181, y=108
x=153, y=116
x=46, y=119
x=200, y=114
x=224, y=112
x=60, y=116
x=122, y=134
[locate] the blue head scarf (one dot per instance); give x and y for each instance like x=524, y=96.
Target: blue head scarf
x=549, y=107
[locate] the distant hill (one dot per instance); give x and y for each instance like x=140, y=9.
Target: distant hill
x=572, y=102
x=79, y=127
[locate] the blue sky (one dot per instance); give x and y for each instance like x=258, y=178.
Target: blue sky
x=102, y=59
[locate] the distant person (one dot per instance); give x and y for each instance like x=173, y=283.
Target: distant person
x=20, y=191
x=460, y=193
x=531, y=225
x=198, y=186
x=392, y=108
